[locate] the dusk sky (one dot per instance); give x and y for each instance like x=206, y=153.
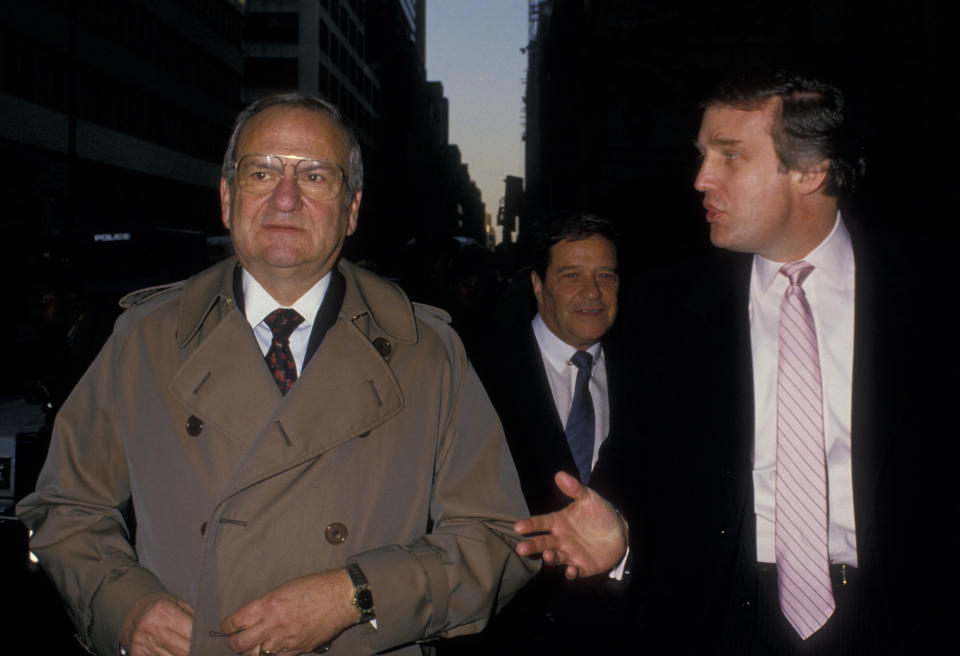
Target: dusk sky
x=473, y=47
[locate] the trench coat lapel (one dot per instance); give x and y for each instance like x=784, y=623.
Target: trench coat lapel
x=345, y=373
x=225, y=382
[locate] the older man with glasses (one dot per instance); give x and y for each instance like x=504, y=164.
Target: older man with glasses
x=311, y=462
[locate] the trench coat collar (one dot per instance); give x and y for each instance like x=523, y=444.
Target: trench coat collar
x=366, y=296
x=348, y=388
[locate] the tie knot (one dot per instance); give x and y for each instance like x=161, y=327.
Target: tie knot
x=582, y=359
x=797, y=271
x=283, y=322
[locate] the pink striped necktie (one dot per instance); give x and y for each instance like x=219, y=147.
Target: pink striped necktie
x=803, y=561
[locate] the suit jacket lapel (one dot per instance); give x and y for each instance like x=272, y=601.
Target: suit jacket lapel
x=721, y=299
x=877, y=376
x=551, y=440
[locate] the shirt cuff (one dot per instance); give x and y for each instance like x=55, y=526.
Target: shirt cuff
x=617, y=573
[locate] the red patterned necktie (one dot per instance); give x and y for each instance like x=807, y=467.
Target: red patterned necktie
x=803, y=559
x=279, y=357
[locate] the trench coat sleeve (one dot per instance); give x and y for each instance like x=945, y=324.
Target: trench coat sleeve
x=465, y=568
x=80, y=535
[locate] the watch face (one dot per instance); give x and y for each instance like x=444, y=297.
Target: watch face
x=365, y=600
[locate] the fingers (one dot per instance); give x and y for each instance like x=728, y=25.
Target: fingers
x=246, y=640
x=537, y=544
x=159, y=624
x=537, y=524
x=550, y=522
x=260, y=649
x=294, y=617
x=551, y=557
x=243, y=630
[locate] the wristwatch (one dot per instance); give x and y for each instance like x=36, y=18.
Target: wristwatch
x=362, y=596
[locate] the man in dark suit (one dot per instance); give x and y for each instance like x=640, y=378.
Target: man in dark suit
x=793, y=503
x=822, y=489
x=555, y=387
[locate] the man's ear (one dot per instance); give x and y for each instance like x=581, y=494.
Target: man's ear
x=813, y=178
x=354, y=210
x=225, y=202
x=537, y=287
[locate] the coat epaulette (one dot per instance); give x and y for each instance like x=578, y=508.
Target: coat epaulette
x=432, y=311
x=139, y=296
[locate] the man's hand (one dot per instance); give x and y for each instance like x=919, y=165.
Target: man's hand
x=588, y=536
x=157, y=625
x=294, y=618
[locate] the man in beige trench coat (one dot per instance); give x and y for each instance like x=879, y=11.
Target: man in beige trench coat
x=363, y=508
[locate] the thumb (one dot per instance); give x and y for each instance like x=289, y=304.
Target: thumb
x=569, y=485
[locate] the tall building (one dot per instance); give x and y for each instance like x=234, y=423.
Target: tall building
x=113, y=116
x=368, y=58
x=314, y=46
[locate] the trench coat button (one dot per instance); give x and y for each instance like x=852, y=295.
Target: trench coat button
x=383, y=346
x=336, y=533
x=203, y=530
x=194, y=425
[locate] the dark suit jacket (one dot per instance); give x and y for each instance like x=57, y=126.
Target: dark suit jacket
x=520, y=392
x=901, y=436
x=551, y=615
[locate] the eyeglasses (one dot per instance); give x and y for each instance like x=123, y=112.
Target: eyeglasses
x=317, y=178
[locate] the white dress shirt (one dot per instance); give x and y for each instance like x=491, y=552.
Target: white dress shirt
x=258, y=304
x=830, y=292
x=562, y=376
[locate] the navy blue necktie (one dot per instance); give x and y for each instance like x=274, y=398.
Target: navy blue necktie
x=580, y=423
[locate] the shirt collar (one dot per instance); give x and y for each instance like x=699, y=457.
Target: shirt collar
x=831, y=259
x=555, y=350
x=258, y=303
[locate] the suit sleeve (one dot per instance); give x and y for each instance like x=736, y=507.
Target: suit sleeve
x=465, y=568
x=80, y=535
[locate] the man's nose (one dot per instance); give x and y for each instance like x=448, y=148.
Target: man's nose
x=286, y=196
x=704, y=180
x=590, y=289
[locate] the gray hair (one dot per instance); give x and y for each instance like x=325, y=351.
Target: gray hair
x=311, y=102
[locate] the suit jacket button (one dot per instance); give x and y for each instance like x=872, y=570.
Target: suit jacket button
x=336, y=533
x=383, y=346
x=194, y=425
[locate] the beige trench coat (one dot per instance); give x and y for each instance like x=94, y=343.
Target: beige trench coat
x=396, y=462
